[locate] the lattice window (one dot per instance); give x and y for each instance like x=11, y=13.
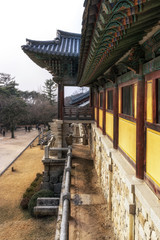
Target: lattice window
x=127, y=100
x=110, y=100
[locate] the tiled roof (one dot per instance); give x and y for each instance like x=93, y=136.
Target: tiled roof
x=110, y=29
x=79, y=98
x=84, y=104
x=65, y=44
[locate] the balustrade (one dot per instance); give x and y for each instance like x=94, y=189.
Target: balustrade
x=75, y=113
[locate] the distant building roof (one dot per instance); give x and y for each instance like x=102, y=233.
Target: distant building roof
x=84, y=104
x=77, y=99
x=65, y=44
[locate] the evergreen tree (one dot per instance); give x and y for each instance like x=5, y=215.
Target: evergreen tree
x=50, y=89
x=8, y=86
x=12, y=106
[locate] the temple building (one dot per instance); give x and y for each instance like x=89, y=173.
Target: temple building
x=117, y=56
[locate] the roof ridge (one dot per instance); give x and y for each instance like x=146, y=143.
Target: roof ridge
x=64, y=33
x=40, y=41
x=60, y=34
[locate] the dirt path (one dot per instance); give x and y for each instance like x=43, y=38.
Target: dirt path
x=16, y=224
x=89, y=217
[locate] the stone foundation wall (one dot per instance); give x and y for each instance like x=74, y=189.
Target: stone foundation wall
x=133, y=207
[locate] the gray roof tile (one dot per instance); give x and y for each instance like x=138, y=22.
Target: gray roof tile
x=65, y=44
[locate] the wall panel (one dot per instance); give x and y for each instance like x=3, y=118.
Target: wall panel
x=127, y=137
x=149, y=116
x=153, y=155
x=109, y=124
x=101, y=118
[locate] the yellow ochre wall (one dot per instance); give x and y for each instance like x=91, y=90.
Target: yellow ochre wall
x=109, y=124
x=135, y=101
x=149, y=113
x=106, y=99
x=127, y=137
x=95, y=114
x=101, y=118
x=119, y=100
x=153, y=155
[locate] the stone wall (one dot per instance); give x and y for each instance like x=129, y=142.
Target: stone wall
x=133, y=207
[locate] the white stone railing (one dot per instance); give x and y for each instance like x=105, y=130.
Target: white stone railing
x=66, y=199
x=62, y=229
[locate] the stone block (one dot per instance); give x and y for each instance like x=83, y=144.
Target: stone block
x=47, y=201
x=54, y=179
x=147, y=229
x=45, y=178
x=141, y=232
x=141, y=219
x=46, y=210
x=45, y=173
x=45, y=185
x=154, y=236
x=57, y=188
x=46, y=168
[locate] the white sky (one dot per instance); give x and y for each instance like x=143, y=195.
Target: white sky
x=36, y=20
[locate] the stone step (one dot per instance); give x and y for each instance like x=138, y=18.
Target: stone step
x=46, y=210
x=46, y=201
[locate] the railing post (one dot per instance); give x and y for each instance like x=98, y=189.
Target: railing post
x=46, y=151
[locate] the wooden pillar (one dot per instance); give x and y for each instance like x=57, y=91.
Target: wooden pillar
x=115, y=116
x=91, y=102
x=97, y=108
x=60, y=101
x=104, y=111
x=140, y=131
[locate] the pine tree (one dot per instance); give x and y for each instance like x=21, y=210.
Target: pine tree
x=50, y=90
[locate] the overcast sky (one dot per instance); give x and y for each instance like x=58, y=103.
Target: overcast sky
x=36, y=20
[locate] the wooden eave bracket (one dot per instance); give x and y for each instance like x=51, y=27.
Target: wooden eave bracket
x=91, y=19
x=93, y=10
x=104, y=79
x=94, y=2
x=132, y=59
x=129, y=67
